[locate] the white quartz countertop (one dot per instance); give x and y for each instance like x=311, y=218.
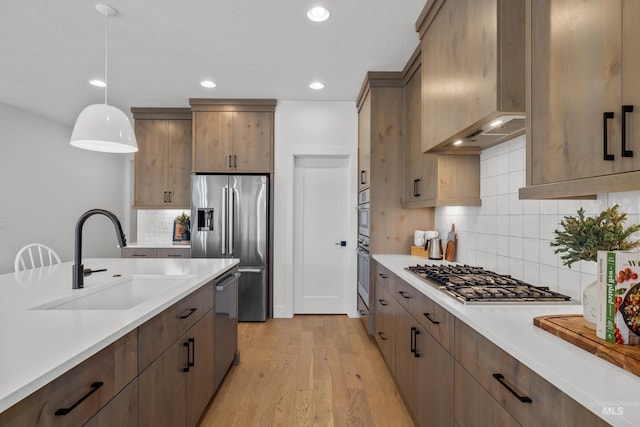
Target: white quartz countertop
x=590, y=380
x=40, y=345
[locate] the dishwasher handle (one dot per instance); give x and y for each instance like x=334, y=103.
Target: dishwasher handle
x=227, y=281
x=250, y=270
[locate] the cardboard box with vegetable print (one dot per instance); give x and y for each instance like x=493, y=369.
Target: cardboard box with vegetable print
x=619, y=278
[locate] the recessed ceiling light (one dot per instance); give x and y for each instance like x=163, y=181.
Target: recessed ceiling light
x=97, y=83
x=316, y=85
x=208, y=84
x=495, y=123
x=458, y=142
x=318, y=14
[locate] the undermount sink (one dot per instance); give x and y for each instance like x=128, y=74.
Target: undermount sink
x=121, y=295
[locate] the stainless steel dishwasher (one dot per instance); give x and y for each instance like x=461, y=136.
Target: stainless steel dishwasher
x=226, y=326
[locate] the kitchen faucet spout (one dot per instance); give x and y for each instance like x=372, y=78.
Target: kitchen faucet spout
x=78, y=268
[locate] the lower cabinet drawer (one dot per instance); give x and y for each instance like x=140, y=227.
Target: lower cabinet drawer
x=137, y=252
x=529, y=398
x=435, y=319
x=122, y=411
x=363, y=311
x=384, y=302
x=81, y=392
x=158, y=333
x=384, y=338
x=173, y=253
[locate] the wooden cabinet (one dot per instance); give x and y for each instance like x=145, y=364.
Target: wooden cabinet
x=176, y=360
x=433, y=179
x=381, y=128
x=583, y=135
x=504, y=381
x=74, y=397
x=163, y=161
x=232, y=135
x=422, y=368
x=122, y=411
x=178, y=252
x=363, y=311
x=472, y=71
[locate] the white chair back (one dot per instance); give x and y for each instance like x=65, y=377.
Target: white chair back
x=35, y=255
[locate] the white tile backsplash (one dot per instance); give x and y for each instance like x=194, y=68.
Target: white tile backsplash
x=156, y=226
x=512, y=236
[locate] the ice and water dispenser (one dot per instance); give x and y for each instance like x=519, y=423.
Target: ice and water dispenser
x=205, y=219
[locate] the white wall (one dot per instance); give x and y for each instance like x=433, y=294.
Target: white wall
x=308, y=128
x=45, y=185
x=512, y=236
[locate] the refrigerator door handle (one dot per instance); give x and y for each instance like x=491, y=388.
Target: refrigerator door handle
x=232, y=216
x=225, y=191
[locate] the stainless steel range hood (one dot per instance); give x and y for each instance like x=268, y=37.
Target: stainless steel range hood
x=480, y=136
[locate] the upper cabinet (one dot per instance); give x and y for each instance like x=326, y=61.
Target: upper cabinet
x=433, y=179
x=473, y=73
x=583, y=136
x=381, y=139
x=232, y=135
x=163, y=160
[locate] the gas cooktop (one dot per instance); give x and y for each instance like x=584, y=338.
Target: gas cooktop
x=477, y=285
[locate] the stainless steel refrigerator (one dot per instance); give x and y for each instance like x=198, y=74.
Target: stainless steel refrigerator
x=229, y=220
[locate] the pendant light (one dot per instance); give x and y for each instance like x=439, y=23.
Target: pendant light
x=101, y=127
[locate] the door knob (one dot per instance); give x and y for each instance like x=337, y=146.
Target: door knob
x=341, y=243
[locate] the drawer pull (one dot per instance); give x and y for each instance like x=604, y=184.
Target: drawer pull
x=174, y=256
x=414, y=341
x=384, y=276
x=605, y=121
x=404, y=295
x=382, y=337
x=428, y=316
x=362, y=313
x=383, y=302
x=500, y=378
x=186, y=366
x=191, y=311
x=625, y=109
x=139, y=255
x=363, y=177
x=94, y=387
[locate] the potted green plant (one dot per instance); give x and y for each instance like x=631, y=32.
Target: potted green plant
x=580, y=237
x=182, y=227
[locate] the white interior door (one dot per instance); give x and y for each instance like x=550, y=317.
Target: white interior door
x=321, y=223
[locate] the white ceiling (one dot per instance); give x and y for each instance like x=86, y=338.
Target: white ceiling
x=160, y=50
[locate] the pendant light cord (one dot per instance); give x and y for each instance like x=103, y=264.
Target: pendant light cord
x=106, y=56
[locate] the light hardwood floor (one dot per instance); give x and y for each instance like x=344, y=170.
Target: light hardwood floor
x=312, y=370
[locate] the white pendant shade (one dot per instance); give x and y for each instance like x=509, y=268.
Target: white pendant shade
x=101, y=127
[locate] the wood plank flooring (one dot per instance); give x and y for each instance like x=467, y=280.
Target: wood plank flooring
x=312, y=370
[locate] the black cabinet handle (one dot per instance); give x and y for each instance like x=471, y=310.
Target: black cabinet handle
x=413, y=339
x=363, y=177
x=230, y=161
x=383, y=302
x=191, y=311
x=381, y=335
x=362, y=312
x=165, y=197
x=415, y=342
x=170, y=195
x=186, y=367
x=500, y=378
x=625, y=109
x=192, y=361
x=384, y=276
x=605, y=117
x=428, y=316
x=404, y=295
x=235, y=161
x=94, y=387
x=415, y=188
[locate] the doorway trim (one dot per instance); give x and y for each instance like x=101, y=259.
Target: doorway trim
x=284, y=231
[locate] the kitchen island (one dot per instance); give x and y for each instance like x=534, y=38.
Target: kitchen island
x=47, y=330
x=604, y=389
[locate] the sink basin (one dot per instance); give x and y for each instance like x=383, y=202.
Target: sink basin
x=121, y=295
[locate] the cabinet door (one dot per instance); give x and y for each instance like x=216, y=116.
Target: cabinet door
x=474, y=406
x=151, y=163
x=575, y=77
x=200, y=375
x=630, y=73
x=364, y=144
x=252, y=142
x=179, y=163
x=413, y=186
x=406, y=333
x=122, y=411
x=212, y=141
x=435, y=380
x=163, y=388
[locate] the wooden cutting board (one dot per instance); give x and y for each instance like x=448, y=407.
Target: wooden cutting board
x=570, y=328
x=450, y=249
